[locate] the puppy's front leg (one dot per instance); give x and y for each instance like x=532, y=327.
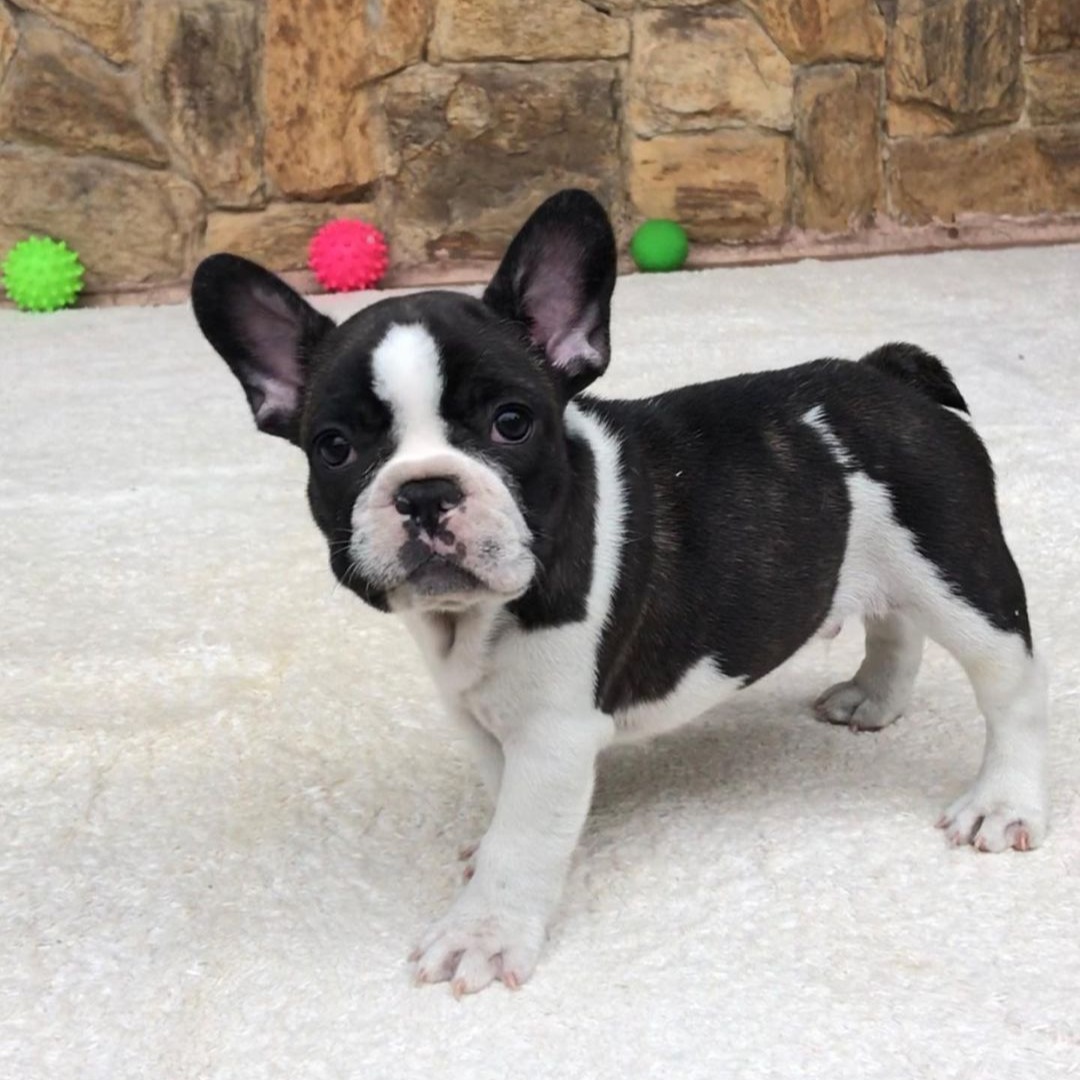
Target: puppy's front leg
x=496, y=927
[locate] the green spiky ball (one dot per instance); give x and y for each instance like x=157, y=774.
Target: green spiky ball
x=42, y=274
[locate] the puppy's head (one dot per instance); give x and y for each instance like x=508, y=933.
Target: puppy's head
x=432, y=423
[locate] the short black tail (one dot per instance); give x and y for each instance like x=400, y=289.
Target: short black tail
x=918, y=369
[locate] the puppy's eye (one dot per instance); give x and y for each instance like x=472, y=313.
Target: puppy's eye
x=334, y=449
x=512, y=424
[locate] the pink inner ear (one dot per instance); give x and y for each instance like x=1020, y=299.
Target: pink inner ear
x=558, y=324
x=278, y=399
x=271, y=331
x=570, y=350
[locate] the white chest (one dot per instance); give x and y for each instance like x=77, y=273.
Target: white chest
x=501, y=677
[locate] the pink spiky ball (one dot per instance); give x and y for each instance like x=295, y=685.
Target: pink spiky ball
x=348, y=254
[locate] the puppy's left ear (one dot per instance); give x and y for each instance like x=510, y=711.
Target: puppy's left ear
x=556, y=279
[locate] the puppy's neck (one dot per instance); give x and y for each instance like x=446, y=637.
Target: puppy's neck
x=457, y=645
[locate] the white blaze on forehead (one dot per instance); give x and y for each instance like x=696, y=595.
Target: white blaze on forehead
x=406, y=375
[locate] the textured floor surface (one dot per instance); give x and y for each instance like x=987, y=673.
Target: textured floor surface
x=228, y=802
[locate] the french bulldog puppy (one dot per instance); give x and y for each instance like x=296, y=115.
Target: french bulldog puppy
x=578, y=571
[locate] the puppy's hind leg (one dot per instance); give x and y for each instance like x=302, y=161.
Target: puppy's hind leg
x=880, y=691
x=1006, y=807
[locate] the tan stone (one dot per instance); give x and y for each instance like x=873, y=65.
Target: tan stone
x=58, y=92
x=130, y=226
x=724, y=185
x=905, y=120
x=108, y=25
x=810, y=31
x=996, y=173
x=9, y=36
x=838, y=148
x=277, y=236
x=960, y=58
x=693, y=70
x=476, y=148
x=1021, y=173
x=624, y=7
x=554, y=30
x=1053, y=85
x=1059, y=152
x=323, y=149
x=1051, y=25
x=321, y=138
x=200, y=78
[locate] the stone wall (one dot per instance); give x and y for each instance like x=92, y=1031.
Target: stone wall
x=149, y=132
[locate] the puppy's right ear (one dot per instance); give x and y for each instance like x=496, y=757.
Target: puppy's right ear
x=264, y=331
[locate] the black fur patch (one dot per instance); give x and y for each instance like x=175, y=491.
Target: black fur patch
x=738, y=516
x=918, y=369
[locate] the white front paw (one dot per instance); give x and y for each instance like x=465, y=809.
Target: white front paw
x=473, y=947
x=995, y=820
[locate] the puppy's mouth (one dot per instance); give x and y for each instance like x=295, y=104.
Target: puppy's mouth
x=439, y=576
x=435, y=578
x=452, y=564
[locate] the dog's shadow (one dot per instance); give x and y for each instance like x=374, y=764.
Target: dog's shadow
x=763, y=747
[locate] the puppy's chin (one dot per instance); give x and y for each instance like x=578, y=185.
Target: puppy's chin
x=443, y=585
x=438, y=582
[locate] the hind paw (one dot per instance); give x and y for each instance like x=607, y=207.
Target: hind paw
x=849, y=704
x=993, y=822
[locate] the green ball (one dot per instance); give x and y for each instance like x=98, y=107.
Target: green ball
x=42, y=274
x=659, y=245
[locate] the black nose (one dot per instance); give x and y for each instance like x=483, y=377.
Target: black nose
x=425, y=501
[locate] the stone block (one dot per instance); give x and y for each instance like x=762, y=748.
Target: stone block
x=839, y=181
x=200, y=79
x=696, y=70
x=1058, y=150
x=9, y=36
x=998, y=172
x=812, y=31
x=321, y=136
x=723, y=185
x=953, y=65
x=1051, y=25
x=497, y=30
x=478, y=147
x=1053, y=88
x=60, y=93
x=130, y=226
x=107, y=25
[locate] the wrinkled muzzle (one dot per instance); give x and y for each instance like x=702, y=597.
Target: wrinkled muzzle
x=441, y=531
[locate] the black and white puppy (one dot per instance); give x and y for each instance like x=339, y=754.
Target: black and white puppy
x=578, y=571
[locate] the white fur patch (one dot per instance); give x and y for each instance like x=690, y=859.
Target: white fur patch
x=551, y=668
x=882, y=568
x=534, y=692
x=610, y=515
x=701, y=688
x=815, y=418
x=407, y=376
x=884, y=572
